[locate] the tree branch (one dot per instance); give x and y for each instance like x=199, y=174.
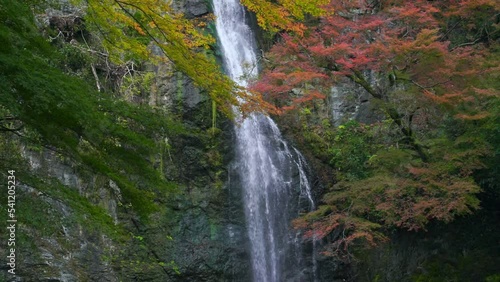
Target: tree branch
x=466, y=44
x=94, y=72
x=358, y=78
x=407, y=132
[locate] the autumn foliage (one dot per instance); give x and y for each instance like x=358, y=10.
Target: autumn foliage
x=286, y=15
x=404, y=40
x=132, y=30
x=426, y=64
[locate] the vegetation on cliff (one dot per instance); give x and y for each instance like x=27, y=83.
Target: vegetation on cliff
x=102, y=182
x=431, y=69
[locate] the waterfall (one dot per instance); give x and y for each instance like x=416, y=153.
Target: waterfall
x=275, y=185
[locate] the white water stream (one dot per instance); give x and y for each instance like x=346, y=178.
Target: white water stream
x=273, y=176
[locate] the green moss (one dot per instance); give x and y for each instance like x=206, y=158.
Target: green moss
x=38, y=214
x=493, y=278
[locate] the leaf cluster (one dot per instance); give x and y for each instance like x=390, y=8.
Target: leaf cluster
x=133, y=29
x=286, y=15
x=381, y=186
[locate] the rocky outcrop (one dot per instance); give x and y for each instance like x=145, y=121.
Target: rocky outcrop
x=195, y=8
x=349, y=101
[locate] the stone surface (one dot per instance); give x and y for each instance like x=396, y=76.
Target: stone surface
x=195, y=8
x=349, y=101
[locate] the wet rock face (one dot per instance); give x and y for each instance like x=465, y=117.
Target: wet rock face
x=192, y=8
x=52, y=246
x=175, y=91
x=206, y=221
x=349, y=101
x=195, y=8
x=206, y=246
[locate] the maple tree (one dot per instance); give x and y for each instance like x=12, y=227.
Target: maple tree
x=286, y=15
x=129, y=26
x=426, y=63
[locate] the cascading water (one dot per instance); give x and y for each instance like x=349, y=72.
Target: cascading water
x=273, y=177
